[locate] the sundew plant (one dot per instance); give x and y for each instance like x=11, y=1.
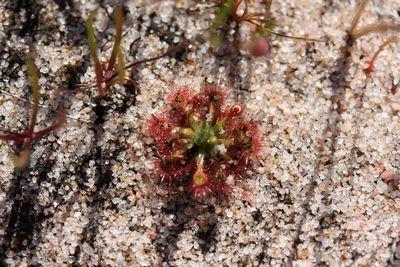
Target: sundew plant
x=203, y=145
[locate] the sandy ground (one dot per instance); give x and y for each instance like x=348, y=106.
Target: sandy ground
x=90, y=195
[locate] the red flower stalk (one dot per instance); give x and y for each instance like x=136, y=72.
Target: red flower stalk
x=202, y=144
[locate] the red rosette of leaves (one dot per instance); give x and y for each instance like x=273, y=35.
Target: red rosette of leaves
x=201, y=144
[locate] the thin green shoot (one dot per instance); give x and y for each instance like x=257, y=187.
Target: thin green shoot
x=95, y=58
x=121, y=67
x=119, y=21
x=224, y=13
x=34, y=82
x=24, y=141
x=114, y=73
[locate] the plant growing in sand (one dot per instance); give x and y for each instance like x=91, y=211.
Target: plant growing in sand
x=262, y=22
x=201, y=144
x=377, y=27
x=114, y=71
x=24, y=141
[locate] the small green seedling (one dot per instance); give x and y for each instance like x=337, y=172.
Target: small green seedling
x=105, y=77
x=114, y=72
x=24, y=141
x=262, y=21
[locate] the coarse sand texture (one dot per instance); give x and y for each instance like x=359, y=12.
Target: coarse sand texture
x=322, y=189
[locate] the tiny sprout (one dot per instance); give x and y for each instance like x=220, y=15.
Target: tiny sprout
x=114, y=72
x=105, y=77
x=230, y=10
x=24, y=141
x=200, y=142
